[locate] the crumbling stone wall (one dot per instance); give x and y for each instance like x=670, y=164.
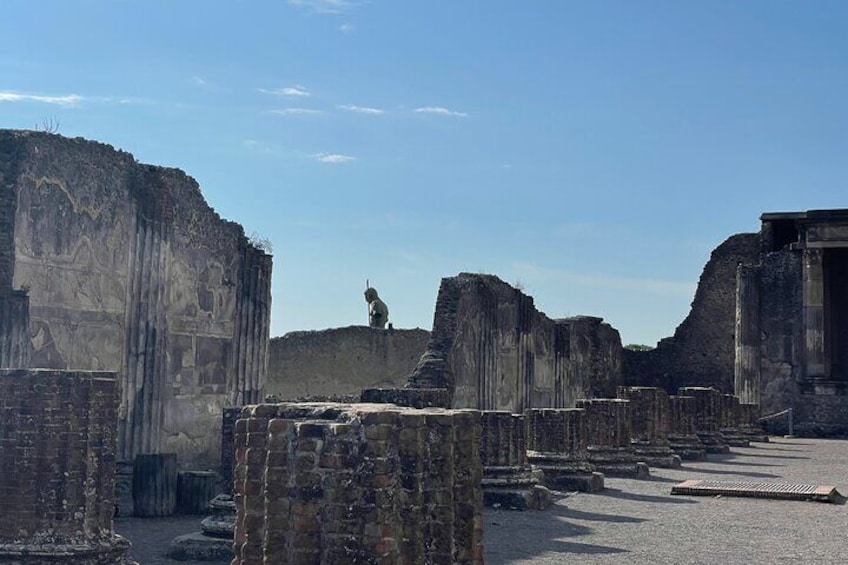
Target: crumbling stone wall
x=492, y=350
x=357, y=483
x=702, y=350
x=129, y=270
x=57, y=467
x=342, y=361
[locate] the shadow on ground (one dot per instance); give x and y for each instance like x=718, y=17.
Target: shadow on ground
x=545, y=532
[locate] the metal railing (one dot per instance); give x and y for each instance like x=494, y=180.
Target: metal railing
x=787, y=412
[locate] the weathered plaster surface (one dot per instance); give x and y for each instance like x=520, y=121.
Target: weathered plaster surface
x=493, y=350
x=342, y=361
x=129, y=270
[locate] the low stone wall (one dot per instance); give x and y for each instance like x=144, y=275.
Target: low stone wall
x=341, y=361
x=357, y=483
x=57, y=467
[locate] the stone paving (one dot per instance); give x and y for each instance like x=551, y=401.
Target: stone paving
x=638, y=522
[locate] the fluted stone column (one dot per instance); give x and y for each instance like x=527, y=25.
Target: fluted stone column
x=813, y=304
x=557, y=443
x=649, y=420
x=15, y=342
x=707, y=414
x=747, y=361
x=681, y=434
x=509, y=481
x=608, y=430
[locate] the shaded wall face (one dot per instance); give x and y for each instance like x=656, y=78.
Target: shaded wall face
x=703, y=349
x=781, y=328
x=342, y=361
x=129, y=270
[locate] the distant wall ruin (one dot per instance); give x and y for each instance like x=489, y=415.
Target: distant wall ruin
x=702, y=350
x=127, y=269
x=341, y=362
x=493, y=350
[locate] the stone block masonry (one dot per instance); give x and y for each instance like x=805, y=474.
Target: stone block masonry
x=357, y=483
x=57, y=468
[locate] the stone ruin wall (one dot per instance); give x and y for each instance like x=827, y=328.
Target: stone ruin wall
x=493, y=350
x=341, y=362
x=702, y=350
x=129, y=270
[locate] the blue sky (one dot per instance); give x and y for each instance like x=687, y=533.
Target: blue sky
x=593, y=152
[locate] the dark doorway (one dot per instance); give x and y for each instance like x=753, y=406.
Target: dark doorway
x=836, y=312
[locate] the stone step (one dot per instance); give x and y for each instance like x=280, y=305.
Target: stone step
x=782, y=491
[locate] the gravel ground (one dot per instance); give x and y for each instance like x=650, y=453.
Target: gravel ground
x=639, y=522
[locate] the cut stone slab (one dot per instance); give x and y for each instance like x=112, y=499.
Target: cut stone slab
x=781, y=491
x=198, y=547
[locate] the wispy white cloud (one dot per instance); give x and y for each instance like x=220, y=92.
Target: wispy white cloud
x=347, y=28
x=361, y=109
x=334, y=158
x=295, y=90
x=323, y=6
x=199, y=81
x=440, y=111
x=260, y=147
x=296, y=112
x=535, y=273
x=64, y=100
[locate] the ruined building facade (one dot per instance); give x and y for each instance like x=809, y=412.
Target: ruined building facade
x=769, y=323
x=792, y=320
x=111, y=265
x=491, y=349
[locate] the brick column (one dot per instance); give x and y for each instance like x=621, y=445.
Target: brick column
x=57, y=467
x=557, y=443
x=508, y=479
x=681, y=431
x=608, y=430
x=649, y=413
x=706, y=417
x=730, y=420
x=356, y=483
